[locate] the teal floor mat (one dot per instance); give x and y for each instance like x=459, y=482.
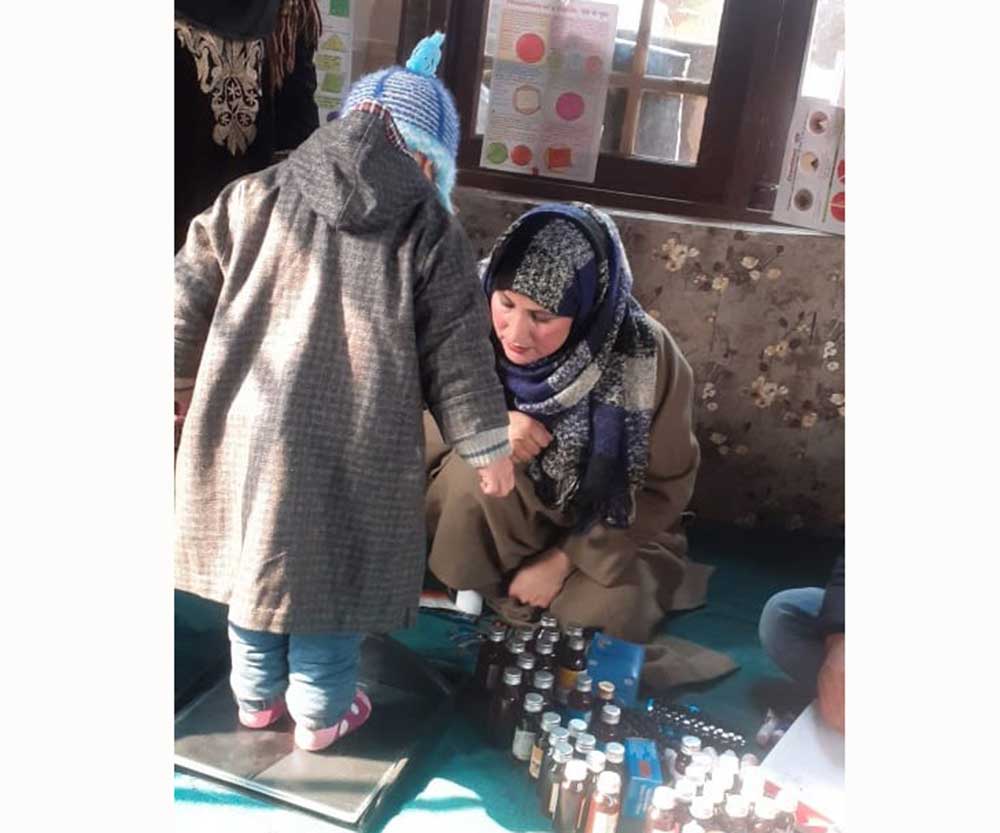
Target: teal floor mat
x=464, y=785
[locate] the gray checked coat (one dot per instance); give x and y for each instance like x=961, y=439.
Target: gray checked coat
x=319, y=304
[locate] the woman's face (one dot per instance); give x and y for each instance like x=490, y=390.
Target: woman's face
x=526, y=331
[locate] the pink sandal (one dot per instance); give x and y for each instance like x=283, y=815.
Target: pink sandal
x=263, y=718
x=314, y=740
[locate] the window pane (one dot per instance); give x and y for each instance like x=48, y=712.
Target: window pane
x=670, y=127
x=824, y=71
x=614, y=113
x=683, y=39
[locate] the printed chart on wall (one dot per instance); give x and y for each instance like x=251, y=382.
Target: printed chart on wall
x=812, y=188
x=333, y=57
x=549, y=86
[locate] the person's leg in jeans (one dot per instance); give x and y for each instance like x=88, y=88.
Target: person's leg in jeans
x=323, y=697
x=791, y=636
x=259, y=676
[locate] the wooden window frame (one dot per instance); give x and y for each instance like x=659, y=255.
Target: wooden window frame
x=760, y=51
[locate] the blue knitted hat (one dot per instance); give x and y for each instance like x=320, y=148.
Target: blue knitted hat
x=421, y=107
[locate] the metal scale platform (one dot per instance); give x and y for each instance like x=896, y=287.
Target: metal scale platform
x=349, y=782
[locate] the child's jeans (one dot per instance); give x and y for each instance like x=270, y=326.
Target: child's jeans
x=317, y=673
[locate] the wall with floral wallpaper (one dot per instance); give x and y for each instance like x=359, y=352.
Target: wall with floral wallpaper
x=759, y=313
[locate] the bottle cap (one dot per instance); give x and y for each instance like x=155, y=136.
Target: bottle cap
x=573, y=629
x=690, y=744
x=576, y=727
x=692, y=827
x=664, y=798
x=544, y=680
x=765, y=808
x=609, y=783
x=698, y=774
x=533, y=702
x=525, y=633
x=749, y=760
x=615, y=752
x=526, y=661
x=606, y=690
x=543, y=647
x=512, y=676
x=585, y=743
x=704, y=760
x=596, y=761
x=788, y=800
x=584, y=682
x=702, y=808
x=515, y=646
x=576, y=770
x=562, y=752
x=550, y=721
x=686, y=790
x=559, y=733
x=497, y=635
x=549, y=621
x=611, y=715
x=737, y=807
x=728, y=762
x=576, y=643
x=498, y=627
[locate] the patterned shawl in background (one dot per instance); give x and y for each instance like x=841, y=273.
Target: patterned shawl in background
x=595, y=395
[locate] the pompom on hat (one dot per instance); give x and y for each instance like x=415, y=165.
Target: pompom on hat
x=421, y=107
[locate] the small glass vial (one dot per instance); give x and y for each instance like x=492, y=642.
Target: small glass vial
x=661, y=817
x=504, y=708
x=585, y=744
x=607, y=729
x=765, y=813
x=489, y=663
x=689, y=746
x=548, y=627
x=580, y=703
x=614, y=754
x=545, y=650
x=685, y=792
x=703, y=811
x=604, y=806
x=542, y=682
x=549, y=721
x=697, y=775
x=576, y=728
x=528, y=727
x=787, y=804
x=737, y=815
x=572, y=662
x=552, y=776
x=556, y=736
x=569, y=808
x=526, y=662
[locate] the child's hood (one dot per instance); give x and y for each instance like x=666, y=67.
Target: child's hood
x=354, y=177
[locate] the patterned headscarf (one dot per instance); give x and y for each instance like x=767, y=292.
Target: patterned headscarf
x=596, y=393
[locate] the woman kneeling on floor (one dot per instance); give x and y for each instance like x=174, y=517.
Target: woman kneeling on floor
x=600, y=401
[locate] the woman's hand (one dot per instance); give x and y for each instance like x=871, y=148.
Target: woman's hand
x=497, y=479
x=540, y=578
x=527, y=436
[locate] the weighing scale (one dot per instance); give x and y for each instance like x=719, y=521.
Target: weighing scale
x=348, y=782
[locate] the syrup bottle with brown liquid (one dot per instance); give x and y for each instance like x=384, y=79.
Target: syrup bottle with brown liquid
x=604, y=806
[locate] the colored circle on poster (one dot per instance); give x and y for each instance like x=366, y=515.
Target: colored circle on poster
x=530, y=48
x=809, y=163
x=819, y=122
x=521, y=155
x=840, y=171
x=803, y=199
x=527, y=99
x=570, y=106
x=837, y=207
x=496, y=153
x=595, y=64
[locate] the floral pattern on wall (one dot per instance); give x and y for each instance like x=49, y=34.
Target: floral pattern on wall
x=759, y=314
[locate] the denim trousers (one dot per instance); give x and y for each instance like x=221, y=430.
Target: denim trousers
x=791, y=636
x=316, y=673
